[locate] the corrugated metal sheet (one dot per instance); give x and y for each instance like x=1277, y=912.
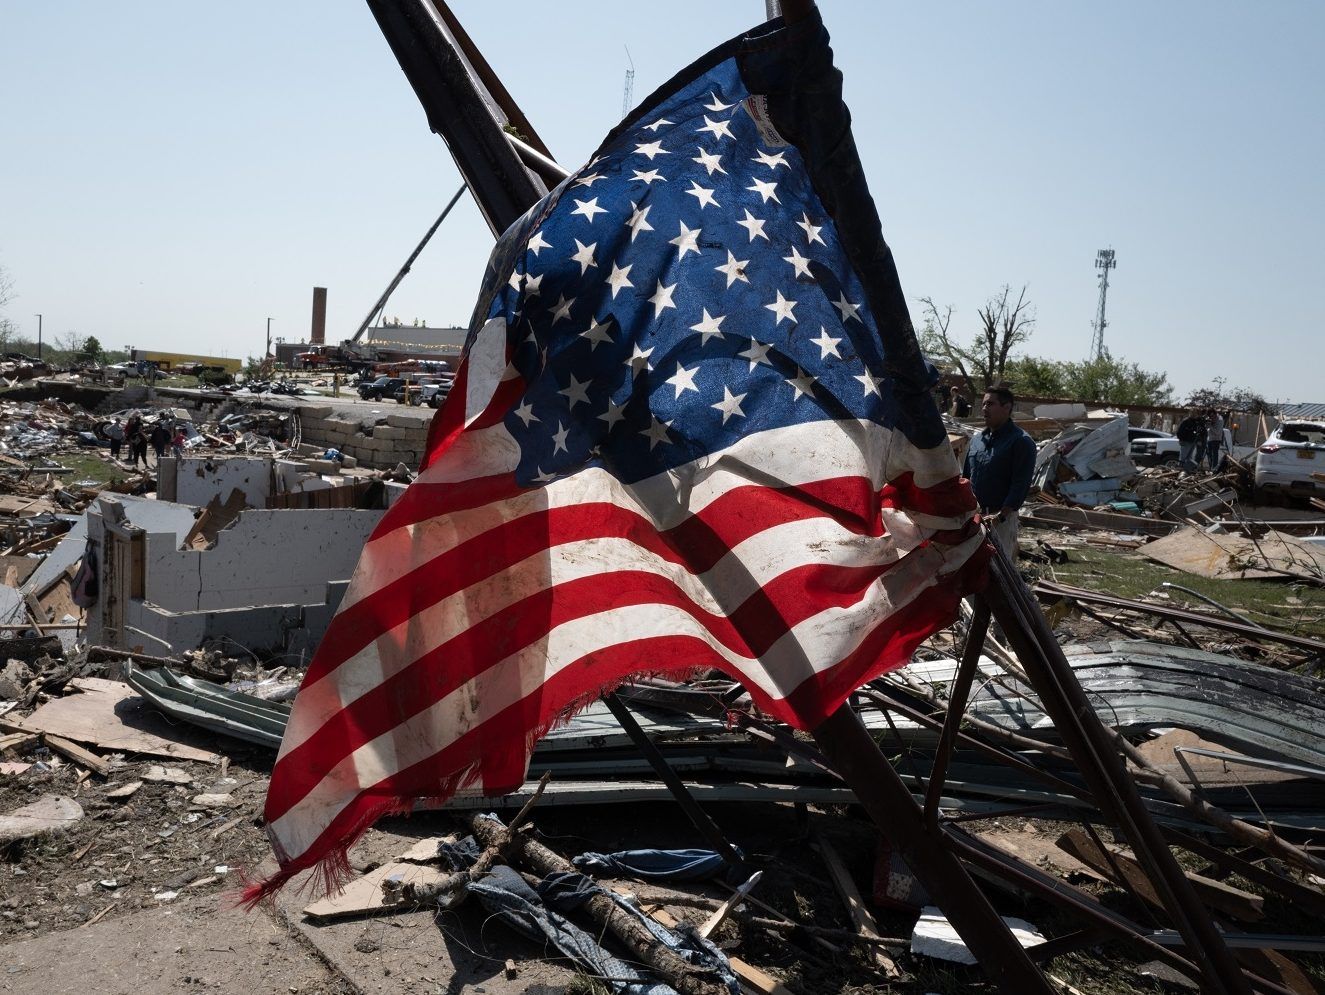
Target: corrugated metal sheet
x=1302, y=410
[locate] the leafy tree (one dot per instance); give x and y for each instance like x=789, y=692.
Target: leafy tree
x=90, y=351
x=1239, y=399
x=1004, y=325
x=1108, y=380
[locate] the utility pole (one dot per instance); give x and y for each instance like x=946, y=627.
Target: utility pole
x=1104, y=261
x=39, y=336
x=268, y=352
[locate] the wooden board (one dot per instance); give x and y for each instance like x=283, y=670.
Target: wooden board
x=112, y=717
x=1220, y=556
x=363, y=896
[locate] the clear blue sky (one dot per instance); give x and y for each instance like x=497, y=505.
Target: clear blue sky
x=172, y=174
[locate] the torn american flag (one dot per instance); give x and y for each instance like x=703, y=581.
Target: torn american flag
x=691, y=429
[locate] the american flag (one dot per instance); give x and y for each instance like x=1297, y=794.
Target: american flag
x=673, y=444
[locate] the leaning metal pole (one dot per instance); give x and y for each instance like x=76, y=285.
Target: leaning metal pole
x=1015, y=609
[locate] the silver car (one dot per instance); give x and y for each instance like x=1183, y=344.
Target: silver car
x=1292, y=460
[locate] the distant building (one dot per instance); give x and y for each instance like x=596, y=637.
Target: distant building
x=396, y=343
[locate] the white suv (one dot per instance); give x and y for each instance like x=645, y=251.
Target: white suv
x=1291, y=457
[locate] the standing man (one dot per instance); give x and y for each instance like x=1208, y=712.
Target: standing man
x=1214, y=439
x=999, y=463
x=115, y=433
x=1190, y=432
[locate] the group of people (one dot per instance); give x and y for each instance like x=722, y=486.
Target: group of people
x=1201, y=439
x=139, y=435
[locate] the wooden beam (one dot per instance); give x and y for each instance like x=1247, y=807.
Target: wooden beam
x=861, y=917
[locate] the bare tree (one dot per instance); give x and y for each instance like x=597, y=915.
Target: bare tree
x=7, y=328
x=1004, y=325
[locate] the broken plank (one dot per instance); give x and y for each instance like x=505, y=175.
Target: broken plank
x=860, y=915
x=77, y=754
x=1112, y=862
x=364, y=895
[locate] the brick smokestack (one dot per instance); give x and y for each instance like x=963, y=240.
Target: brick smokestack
x=318, y=335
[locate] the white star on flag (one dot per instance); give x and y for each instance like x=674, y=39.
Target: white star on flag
x=684, y=380
x=718, y=128
x=766, y=189
x=639, y=359
x=648, y=176
x=729, y=405
x=709, y=327
x=638, y=221
x=870, y=382
x=846, y=308
x=801, y=383
x=657, y=124
x=711, y=162
x=562, y=310
x=754, y=226
x=618, y=279
x=811, y=231
x=559, y=439
x=703, y=194
x=771, y=161
x=687, y=241
x=584, y=255
x=597, y=333
x=656, y=432
x=757, y=353
x=662, y=298
x=734, y=268
x=801, y=263
x=782, y=308
x=588, y=181
x=827, y=345
x=525, y=413
x=576, y=391
x=538, y=242
x=716, y=105
x=614, y=413
x=652, y=150
x=589, y=208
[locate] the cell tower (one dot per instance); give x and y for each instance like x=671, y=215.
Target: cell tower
x=627, y=97
x=1104, y=261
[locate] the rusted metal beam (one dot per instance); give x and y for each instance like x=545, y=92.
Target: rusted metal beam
x=1061, y=696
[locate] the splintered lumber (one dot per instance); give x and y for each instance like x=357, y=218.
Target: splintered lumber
x=860, y=915
x=752, y=977
x=686, y=979
x=77, y=754
x=1114, y=863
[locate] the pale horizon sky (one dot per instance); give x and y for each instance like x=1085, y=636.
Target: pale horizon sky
x=171, y=175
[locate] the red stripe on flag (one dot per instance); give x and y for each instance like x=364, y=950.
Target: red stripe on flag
x=699, y=542
x=749, y=630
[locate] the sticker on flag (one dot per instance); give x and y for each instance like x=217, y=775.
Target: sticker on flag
x=691, y=431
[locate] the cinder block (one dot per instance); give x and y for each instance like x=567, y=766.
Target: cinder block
x=402, y=421
x=316, y=411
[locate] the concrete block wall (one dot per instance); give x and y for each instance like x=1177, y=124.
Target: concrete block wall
x=375, y=441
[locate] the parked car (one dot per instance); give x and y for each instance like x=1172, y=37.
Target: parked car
x=381, y=388
x=435, y=394
x=1289, y=458
x=1151, y=447
x=411, y=391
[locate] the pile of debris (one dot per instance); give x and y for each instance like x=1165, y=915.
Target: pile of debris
x=1087, y=465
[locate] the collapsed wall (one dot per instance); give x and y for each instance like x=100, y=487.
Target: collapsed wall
x=375, y=440
x=269, y=585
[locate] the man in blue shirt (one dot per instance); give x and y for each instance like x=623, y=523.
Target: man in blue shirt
x=999, y=463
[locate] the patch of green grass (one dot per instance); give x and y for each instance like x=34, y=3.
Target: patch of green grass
x=88, y=466
x=1265, y=602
